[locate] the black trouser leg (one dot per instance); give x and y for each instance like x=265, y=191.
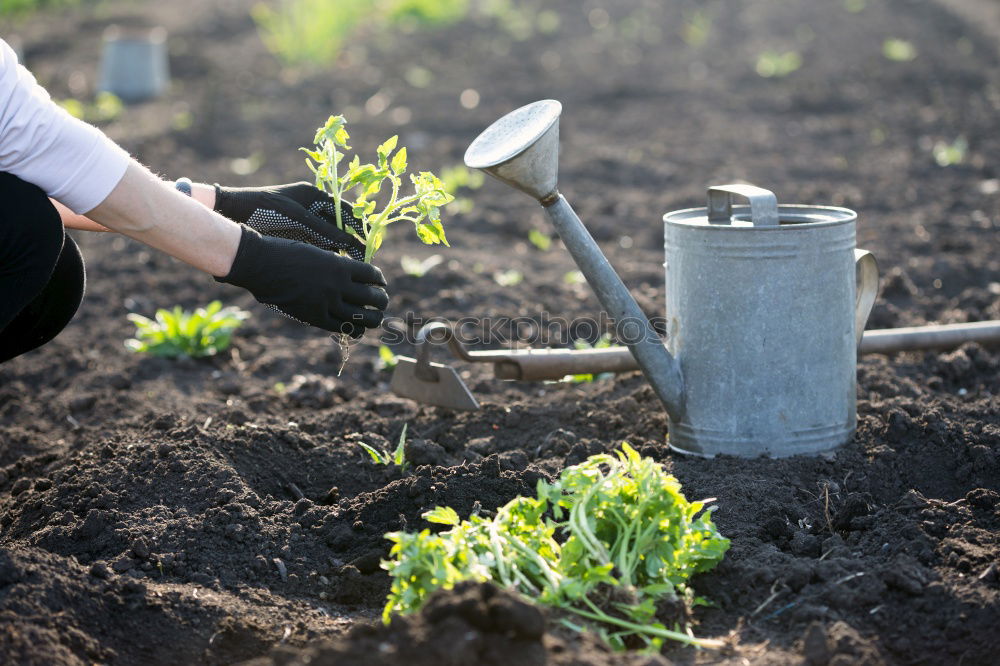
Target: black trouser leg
x=41, y=269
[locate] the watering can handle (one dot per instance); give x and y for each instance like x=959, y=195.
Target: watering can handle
x=867, y=289
x=763, y=204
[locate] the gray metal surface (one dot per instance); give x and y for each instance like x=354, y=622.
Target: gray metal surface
x=632, y=325
x=134, y=66
x=521, y=149
x=762, y=319
x=431, y=384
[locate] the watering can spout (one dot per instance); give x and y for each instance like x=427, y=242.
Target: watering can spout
x=522, y=150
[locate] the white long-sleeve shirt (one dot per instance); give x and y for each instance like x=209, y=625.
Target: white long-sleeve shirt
x=41, y=143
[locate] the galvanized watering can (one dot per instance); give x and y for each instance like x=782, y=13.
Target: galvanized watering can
x=765, y=304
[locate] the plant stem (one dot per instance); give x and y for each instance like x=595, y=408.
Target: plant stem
x=337, y=192
x=679, y=636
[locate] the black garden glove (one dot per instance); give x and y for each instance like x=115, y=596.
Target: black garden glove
x=297, y=211
x=308, y=284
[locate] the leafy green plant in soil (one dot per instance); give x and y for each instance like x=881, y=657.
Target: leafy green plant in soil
x=360, y=185
x=602, y=343
x=387, y=359
x=606, y=544
x=309, y=31
x=105, y=108
x=397, y=457
x=174, y=333
x=313, y=32
x=419, y=267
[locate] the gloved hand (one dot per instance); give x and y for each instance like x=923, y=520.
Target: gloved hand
x=308, y=284
x=297, y=211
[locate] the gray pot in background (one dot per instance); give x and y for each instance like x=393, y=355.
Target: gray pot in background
x=134, y=64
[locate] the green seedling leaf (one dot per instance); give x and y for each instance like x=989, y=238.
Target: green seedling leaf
x=387, y=359
x=398, y=164
x=772, y=64
x=442, y=515
x=540, y=240
x=898, y=50
x=508, y=278
x=418, y=268
x=948, y=154
x=379, y=457
x=399, y=455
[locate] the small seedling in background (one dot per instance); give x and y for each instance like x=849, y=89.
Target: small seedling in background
x=413, y=14
x=899, y=50
x=574, y=277
x=540, y=240
x=602, y=343
x=771, y=64
x=855, y=6
x=949, y=154
x=312, y=32
x=386, y=358
x=508, y=278
x=177, y=332
x=397, y=457
x=522, y=18
x=459, y=177
x=422, y=208
x=696, y=28
x=246, y=166
x=105, y=108
x=419, y=267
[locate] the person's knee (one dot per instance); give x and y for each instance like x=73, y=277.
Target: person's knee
x=31, y=230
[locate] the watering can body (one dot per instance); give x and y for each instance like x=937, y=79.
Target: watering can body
x=765, y=306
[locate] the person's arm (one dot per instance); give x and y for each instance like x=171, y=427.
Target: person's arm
x=306, y=283
x=202, y=193
x=150, y=210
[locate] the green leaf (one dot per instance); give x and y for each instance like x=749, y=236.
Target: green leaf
x=384, y=149
x=387, y=358
x=540, y=240
x=379, y=457
x=398, y=164
x=399, y=455
x=442, y=515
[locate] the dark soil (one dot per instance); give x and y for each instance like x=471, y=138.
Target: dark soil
x=167, y=512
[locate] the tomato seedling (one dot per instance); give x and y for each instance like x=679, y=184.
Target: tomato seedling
x=607, y=542
x=365, y=182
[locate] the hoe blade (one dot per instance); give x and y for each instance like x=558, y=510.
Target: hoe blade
x=442, y=388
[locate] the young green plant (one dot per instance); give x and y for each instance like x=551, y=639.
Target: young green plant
x=397, y=457
x=602, y=343
x=607, y=543
x=175, y=333
x=387, y=359
x=360, y=186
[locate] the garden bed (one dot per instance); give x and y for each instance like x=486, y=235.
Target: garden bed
x=217, y=511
